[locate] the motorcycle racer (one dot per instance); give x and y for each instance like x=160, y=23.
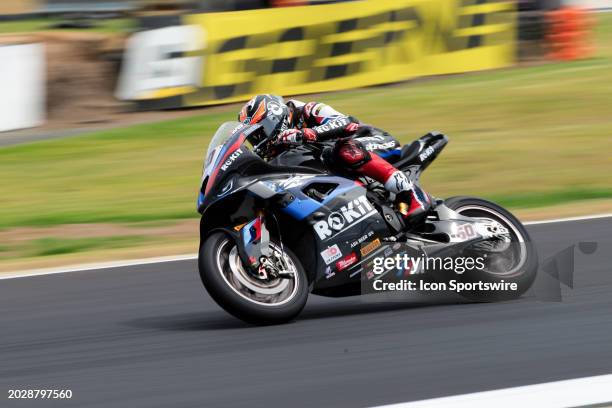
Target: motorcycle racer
x=358, y=148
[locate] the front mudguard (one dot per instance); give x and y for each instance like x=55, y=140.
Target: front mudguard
x=236, y=209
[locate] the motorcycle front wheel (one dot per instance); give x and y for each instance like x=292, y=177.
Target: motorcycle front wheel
x=253, y=300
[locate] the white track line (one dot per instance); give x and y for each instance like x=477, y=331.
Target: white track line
x=583, y=218
x=163, y=259
x=95, y=266
x=559, y=394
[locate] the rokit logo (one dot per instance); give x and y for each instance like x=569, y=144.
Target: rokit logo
x=351, y=214
x=332, y=124
x=230, y=160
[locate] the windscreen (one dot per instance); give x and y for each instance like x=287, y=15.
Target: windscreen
x=220, y=137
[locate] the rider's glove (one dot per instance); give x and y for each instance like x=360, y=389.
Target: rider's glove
x=351, y=128
x=296, y=136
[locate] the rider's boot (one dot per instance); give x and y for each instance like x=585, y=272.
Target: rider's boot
x=412, y=202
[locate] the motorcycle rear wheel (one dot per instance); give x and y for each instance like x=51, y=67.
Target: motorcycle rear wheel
x=521, y=267
x=243, y=296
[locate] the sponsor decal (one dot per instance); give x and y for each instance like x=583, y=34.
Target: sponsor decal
x=231, y=159
x=380, y=146
x=349, y=215
x=294, y=181
x=329, y=273
x=362, y=239
x=428, y=152
x=346, y=262
x=370, y=247
x=331, y=254
x=290, y=182
x=376, y=139
x=465, y=232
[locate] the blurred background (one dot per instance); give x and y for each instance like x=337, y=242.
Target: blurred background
x=107, y=107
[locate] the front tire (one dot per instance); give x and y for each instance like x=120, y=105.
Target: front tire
x=520, y=266
x=253, y=301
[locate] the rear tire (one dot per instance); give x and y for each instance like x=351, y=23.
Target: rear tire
x=523, y=274
x=278, y=302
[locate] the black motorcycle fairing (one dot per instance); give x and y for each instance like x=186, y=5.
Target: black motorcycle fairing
x=302, y=156
x=340, y=229
x=422, y=152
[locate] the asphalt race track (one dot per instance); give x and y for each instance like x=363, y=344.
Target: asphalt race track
x=151, y=337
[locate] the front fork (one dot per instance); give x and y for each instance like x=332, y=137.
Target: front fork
x=254, y=245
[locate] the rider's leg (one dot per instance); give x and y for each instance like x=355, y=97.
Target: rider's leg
x=353, y=154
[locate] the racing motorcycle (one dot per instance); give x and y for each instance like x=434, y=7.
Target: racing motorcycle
x=273, y=231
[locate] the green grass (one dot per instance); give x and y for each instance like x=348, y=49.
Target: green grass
x=56, y=246
x=535, y=200
x=42, y=24
x=524, y=136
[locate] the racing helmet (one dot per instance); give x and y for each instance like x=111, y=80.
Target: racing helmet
x=268, y=110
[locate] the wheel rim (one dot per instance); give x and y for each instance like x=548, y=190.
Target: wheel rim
x=273, y=292
x=509, y=262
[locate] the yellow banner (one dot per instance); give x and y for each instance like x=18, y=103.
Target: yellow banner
x=298, y=50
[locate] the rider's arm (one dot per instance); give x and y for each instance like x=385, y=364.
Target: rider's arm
x=335, y=128
x=327, y=123
x=318, y=122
